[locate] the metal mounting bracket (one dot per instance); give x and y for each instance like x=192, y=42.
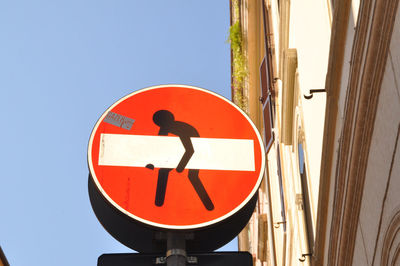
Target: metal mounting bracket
x=308, y=97
x=303, y=256
x=189, y=260
x=278, y=224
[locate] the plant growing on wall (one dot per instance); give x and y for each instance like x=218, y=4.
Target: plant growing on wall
x=239, y=68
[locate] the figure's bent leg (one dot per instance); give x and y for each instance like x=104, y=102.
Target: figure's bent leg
x=161, y=185
x=201, y=192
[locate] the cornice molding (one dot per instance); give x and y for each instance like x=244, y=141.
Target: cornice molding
x=391, y=248
x=353, y=90
x=369, y=56
x=332, y=86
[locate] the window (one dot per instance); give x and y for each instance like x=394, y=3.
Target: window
x=283, y=209
x=306, y=196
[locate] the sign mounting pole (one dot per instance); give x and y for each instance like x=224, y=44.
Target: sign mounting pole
x=176, y=249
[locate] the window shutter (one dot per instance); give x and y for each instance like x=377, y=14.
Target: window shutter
x=265, y=90
x=268, y=124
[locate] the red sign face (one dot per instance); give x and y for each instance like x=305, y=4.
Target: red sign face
x=176, y=157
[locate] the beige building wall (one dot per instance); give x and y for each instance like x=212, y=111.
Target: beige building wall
x=277, y=234
x=377, y=241
x=338, y=203
x=310, y=36
x=358, y=205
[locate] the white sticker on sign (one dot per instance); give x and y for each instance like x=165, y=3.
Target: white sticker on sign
x=166, y=152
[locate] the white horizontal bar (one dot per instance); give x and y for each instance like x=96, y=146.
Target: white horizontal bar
x=166, y=152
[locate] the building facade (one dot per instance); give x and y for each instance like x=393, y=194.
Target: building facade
x=3, y=259
x=321, y=80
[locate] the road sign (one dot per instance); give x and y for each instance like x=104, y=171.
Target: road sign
x=199, y=259
x=149, y=239
x=176, y=157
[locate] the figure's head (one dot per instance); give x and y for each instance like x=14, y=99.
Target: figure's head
x=163, y=118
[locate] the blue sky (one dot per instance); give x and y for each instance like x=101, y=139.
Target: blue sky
x=62, y=63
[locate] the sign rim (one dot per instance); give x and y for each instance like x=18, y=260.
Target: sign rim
x=167, y=226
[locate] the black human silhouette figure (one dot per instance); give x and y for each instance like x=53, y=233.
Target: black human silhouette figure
x=166, y=121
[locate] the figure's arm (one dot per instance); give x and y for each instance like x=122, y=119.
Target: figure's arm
x=189, y=150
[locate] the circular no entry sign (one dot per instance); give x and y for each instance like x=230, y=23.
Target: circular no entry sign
x=176, y=157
